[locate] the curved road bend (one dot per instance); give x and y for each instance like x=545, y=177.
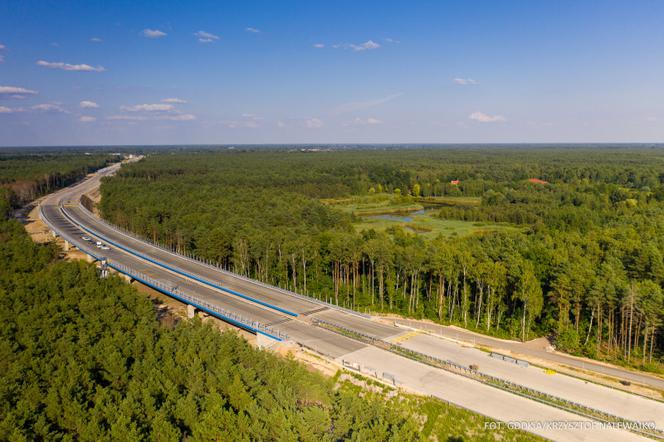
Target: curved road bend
x=421, y=378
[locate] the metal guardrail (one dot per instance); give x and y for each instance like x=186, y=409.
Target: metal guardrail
x=172, y=291
x=195, y=259
x=493, y=381
x=509, y=359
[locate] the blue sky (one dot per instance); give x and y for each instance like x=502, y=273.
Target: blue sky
x=171, y=72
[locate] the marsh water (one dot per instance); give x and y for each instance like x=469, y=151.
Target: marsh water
x=404, y=217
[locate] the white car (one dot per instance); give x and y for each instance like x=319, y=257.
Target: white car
x=104, y=247
x=86, y=238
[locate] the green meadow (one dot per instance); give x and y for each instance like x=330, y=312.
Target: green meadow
x=429, y=226
x=383, y=212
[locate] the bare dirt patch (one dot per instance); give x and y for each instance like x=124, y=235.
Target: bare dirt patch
x=38, y=231
x=94, y=197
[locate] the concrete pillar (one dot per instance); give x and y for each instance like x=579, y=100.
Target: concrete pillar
x=103, y=268
x=191, y=311
x=67, y=246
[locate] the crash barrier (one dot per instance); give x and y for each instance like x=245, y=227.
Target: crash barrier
x=390, y=378
x=352, y=365
x=509, y=359
x=472, y=372
x=370, y=371
x=217, y=267
x=172, y=291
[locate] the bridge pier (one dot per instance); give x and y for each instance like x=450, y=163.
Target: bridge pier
x=103, y=268
x=67, y=246
x=191, y=311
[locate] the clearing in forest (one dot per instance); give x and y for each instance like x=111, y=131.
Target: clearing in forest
x=416, y=215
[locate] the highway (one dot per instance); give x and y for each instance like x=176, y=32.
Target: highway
x=280, y=314
x=459, y=334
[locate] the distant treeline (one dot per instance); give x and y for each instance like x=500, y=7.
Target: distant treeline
x=24, y=178
x=586, y=266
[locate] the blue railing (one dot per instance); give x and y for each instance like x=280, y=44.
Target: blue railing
x=224, y=271
x=177, y=270
x=225, y=315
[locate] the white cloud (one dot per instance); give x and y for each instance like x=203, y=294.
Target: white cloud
x=10, y=90
x=153, y=33
x=360, y=105
x=2, y=46
x=49, y=107
x=96, y=40
x=391, y=40
x=7, y=110
x=246, y=120
x=253, y=30
x=127, y=118
x=162, y=117
x=206, y=37
x=86, y=104
x=367, y=45
x=370, y=121
x=70, y=67
x=485, y=118
x=2, y=58
x=177, y=117
x=87, y=119
x=154, y=112
x=148, y=108
x=464, y=81
x=319, y=45
x=173, y=100
x=313, y=123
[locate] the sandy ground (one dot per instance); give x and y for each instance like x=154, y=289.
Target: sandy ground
x=38, y=231
x=95, y=196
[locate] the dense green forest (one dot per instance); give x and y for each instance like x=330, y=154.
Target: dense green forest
x=25, y=177
x=577, y=252
x=84, y=358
